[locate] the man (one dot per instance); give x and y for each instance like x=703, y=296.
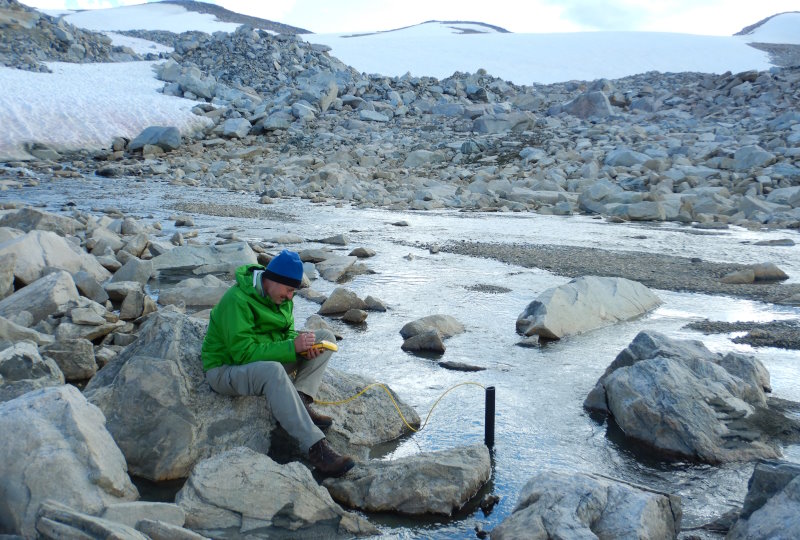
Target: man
x=251, y=347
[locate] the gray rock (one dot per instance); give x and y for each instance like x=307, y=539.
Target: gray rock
x=772, y=506
x=7, y=263
x=120, y=290
x=335, y=268
x=75, y=358
x=130, y=513
x=446, y=325
x=421, y=158
x=195, y=292
x=683, y=400
x=588, y=105
x=504, y=122
x=372, y=116
x=426, y=483
x=340, y=301
x=30, y=219
x=625, y=157
x=158, y=530
x=56, y=521
x=89, y=287
x=60, y=451
x=374, y=304
x=23, y=370
x=11, y=331
x=134, y=270
x=201, y=260
x=165, y=137
x=751, y=157
x=355, y=316
x=53, y=293
x=579, y=505
x=236, y=128
x=583, y=304
x=241, y=492
x=428, y=340
x=38, y=250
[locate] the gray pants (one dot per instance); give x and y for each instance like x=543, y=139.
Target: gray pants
x=273, y=381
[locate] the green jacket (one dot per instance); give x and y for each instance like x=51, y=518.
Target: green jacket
x=247, y=327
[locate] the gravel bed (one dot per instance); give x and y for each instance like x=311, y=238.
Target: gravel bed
x=781, y=334
x=654, y=270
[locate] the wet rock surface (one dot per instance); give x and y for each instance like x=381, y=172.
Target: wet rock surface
x=782, y=334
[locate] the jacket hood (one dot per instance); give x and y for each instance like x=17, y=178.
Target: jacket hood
x=244, y=279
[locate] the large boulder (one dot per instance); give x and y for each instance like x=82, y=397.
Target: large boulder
x=583, y=304
x=11, y=331
x=241, y=493
x=165, y=418
x=340, y=301
x=334, y=268
x=7, y=263
x=687, y=402
x=772, y=505
x=580, y=505
x=60, y=450
x=75, y=358
x=427, y=483
x=53, y=293
x=38, y=250
x=159, y=409
x=165, y=137
x=56, y=521
x=199, y=260
x=22, y=370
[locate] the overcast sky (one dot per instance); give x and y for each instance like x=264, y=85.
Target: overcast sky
x=709, y=17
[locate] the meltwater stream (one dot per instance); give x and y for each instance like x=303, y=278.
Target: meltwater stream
x=540, y=422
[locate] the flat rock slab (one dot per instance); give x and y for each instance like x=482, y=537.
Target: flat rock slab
x=428, y=483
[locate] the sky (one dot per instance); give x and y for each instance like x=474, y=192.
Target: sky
x=87, y=105
x=705, y=17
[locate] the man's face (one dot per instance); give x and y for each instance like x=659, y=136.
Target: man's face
x=278, y=292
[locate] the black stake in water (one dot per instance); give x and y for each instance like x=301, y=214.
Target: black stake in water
x=489, y=421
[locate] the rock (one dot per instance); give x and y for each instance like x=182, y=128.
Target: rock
x=460, y=366
x=375, y=304
x=160, y=411
x=195, y=292
x=11, y=331
x=739, y=277
x=60, y=451
x=421, y=158
x=22, y=370
x=7, y=263
x=446, y=325
x=89, y=287
x=583, y=304
x=503, y=122
x=336, y=240
x=130, y=513
x=334, y=268
x=38, y=250
x=355, y=316
x=236, y=128
x=56, y=521
x=751, y=157
x=340, y=301
x=362, y=252
x=366, y=422
x=240, y=493
x=120, y=290
x=429, y=340
x=158, y=530
x=134, y=270
x=30, y=219
x=625, y=157
x=581, y=505
x=165, y=137
x=75, y=358
x=772, y=506
x=588, y=105
x=768, y=272
x=201, y=260
x=53, y=293
x=426, y=483
x=685, y=401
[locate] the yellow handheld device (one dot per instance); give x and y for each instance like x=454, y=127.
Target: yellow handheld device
x=324, y=345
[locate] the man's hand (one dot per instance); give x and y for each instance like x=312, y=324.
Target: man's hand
x=303, y=344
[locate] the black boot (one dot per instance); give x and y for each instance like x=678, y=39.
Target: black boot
x=320, y=420
x=327, y=461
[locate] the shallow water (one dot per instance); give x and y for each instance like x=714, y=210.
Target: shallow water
x=540, y=420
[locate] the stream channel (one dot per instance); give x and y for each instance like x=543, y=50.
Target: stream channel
x=540, y=422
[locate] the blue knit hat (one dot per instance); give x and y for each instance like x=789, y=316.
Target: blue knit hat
x=286, y=268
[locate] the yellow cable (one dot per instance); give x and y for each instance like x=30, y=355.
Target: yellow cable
x=396, y=406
